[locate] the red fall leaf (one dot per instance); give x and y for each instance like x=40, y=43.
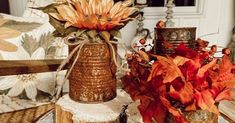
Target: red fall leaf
x=184, y=82
x=179, y=118
x=205, y=101
x=185, y=95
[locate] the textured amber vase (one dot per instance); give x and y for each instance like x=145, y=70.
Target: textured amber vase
x=198, y=116
x=93, y=79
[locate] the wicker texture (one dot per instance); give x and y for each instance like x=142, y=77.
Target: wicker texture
x=30, y=115
x=174, y=36
x=93, y=76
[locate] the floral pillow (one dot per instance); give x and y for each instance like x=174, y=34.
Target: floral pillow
x=30, y=11
x=26, y=39
x=62, y=49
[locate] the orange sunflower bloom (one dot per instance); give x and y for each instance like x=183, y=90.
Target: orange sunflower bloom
x=94, y=14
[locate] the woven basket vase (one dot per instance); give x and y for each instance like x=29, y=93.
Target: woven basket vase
x=93, y=79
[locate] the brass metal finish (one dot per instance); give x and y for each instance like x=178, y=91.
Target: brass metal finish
x=174, y=36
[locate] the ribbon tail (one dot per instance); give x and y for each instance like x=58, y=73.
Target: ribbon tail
x=78, y=50
x=67, y=60
x=74, y=62
x=59, y=89
x=60, y=85
x=113, y=54
x=124, y=66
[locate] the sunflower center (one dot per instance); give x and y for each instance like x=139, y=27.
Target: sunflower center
x=27, y=77
x=109, y=19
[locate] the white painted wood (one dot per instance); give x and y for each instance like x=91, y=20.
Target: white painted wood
x=17, y=7
x=194, y=11
x=214, y=19
x=227, y=22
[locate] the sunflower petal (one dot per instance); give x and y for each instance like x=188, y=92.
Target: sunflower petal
x=108, y=5
x=93, y=4
x=85, y=7
x=95, y=14
x=129, y=11
x=119, y=14
x=67, y=13
x=127, y=3
x=127, y=19
x=98, y=7
x=116, y=23
x=115, y=9
x=78, y=8
x=74, y=0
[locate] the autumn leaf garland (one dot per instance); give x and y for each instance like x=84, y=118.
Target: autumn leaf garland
x=179, y=83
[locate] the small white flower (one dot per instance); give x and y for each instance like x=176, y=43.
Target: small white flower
x=30, y=82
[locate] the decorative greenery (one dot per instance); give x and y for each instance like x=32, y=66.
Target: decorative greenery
x=92, y=19
x=45, y=41
x=12, y=29
x=30, y=44
x=180, y=83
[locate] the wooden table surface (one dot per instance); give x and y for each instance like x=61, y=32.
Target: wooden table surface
x=15, y=67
